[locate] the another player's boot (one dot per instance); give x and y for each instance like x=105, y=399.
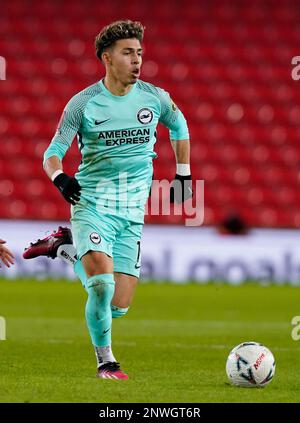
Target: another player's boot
x=48, y=246
x=111, y=370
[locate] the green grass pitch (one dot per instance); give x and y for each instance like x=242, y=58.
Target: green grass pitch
x=173, y=343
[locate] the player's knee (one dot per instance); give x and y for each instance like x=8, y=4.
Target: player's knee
x=118, y=311
x=103, y=282
x=96, y=263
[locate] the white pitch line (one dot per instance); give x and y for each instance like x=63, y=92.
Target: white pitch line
x=203, y=323
x=214, y=346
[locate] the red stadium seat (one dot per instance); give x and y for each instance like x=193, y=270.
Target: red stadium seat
x=226, y=69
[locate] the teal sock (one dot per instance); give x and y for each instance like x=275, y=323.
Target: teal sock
x=100, y=290
x=80, y=272
x=118, y=311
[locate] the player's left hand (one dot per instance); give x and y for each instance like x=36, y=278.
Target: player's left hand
x=181, y=189
x=6, y=255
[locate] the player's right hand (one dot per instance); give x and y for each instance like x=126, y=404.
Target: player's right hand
x=69, y=187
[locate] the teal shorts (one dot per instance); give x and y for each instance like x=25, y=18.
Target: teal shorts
x=111, y=234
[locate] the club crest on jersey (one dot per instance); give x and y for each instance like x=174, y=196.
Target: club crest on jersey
x=95, y=238
x=145, y=116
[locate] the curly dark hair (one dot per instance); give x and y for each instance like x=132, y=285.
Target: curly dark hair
x=115, y=31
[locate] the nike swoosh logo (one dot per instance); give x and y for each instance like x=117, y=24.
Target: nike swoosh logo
x=98, y=122
x=105, y=331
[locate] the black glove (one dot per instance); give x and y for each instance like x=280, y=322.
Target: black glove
x=181, y=189
x=69, y=187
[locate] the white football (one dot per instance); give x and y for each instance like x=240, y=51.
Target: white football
x=250, y=365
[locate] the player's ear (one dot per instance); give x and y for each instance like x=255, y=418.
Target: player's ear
x=106, y=59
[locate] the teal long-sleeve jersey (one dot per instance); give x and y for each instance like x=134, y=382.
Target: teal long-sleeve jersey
x=116, y=137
